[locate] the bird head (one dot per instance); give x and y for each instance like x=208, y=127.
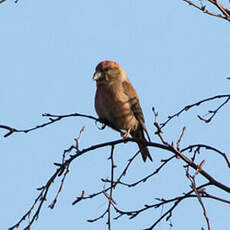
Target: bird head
x=108, y=72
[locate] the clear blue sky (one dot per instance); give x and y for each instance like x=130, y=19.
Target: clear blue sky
x=173, y=54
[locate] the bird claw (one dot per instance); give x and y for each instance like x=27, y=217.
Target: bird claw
x=126, y=134
x=103, y=125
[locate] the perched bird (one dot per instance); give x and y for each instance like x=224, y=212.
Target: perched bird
x=117, y=103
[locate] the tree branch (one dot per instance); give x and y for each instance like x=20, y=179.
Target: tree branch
x=225, y=12
x=188, y=107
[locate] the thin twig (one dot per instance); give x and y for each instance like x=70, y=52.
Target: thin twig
x=60, y=188
x=179, y=154
x=198, y=146
x=148, y=176
x=111, y=189
x=180, y=138
x=221, y=8
x=188, y=107
x=202, y=8
x=177, y=200
x=52, y=119
x=105, y=180
x=213, y=112
x=39, y=200
x=198, y=195
x=113, y=185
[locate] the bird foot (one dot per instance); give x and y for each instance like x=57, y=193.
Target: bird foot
x=126, y=134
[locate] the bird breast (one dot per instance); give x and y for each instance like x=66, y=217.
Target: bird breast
x=113, y=105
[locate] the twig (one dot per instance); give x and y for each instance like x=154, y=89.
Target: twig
x=62, y=167
x=54, y=118
x=157, y=145
x=179, y=154
x=202, y=8
x=40, y=199
x=111, y=189
x=197, y=192
x=198, y=146
x=221, y=8
x=133, y=214
x=188, y=107
x=213, y=112
x=76, y=146
x=176, y=200
x=113, y=184
x=180, y=138
x=150, y=175
x=105, y=180
x=98, y=218
x=60, y=188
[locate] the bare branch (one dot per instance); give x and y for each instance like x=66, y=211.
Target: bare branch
x=188, y=107
x=111, y=189
x=164, y=162
x=176, y=200
x=63, y=169
x=40, y=201
x=60, y=187
x=221, y=8
x=225, y=13
x=198, y=146
x=198, y=195
x=134, y=213
x=179, y=153
x=52, y=119
x=213, y=112
x=180, y=138
x=118, y=181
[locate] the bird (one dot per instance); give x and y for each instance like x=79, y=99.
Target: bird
x=117, y=103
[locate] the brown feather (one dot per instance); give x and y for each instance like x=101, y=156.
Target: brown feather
x=135, y=105
x=117, y=102
x=139, y=135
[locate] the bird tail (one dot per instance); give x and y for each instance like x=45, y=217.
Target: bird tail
x=144, y=152
x=139, y=134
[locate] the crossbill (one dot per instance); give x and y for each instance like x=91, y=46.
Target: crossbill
x=117, y=103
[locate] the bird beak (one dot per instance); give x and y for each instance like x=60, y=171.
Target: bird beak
x=97, y=76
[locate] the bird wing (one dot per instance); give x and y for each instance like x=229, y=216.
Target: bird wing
x=135, y=104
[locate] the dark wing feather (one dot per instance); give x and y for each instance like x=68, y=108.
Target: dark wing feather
x=135, y=104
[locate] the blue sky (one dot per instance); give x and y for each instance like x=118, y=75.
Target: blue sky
x=173, y=54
